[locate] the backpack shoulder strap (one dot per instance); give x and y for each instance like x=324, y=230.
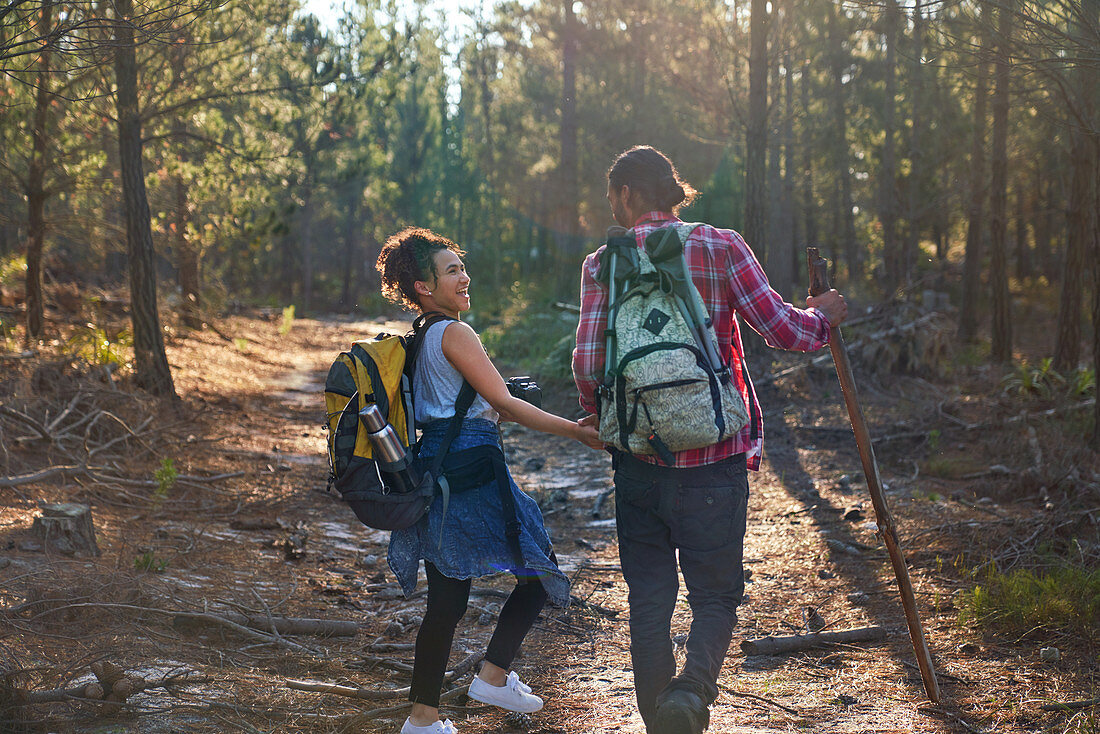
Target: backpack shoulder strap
x=463, y=402
x=465, y=399
x=414, y=339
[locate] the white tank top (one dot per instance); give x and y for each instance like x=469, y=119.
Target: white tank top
x=436, y=382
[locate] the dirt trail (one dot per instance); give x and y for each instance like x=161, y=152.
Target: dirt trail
x=582, y=657
x=274, y=542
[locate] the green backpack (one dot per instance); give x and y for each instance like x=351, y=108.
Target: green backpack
x=665, y=387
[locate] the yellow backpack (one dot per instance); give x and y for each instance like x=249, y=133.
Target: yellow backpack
x=372, y=371
x=377, y=371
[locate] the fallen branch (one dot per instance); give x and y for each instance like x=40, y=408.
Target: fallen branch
x=210, y=325
x=1024, y=416
x=817, y=361
x=150, y=483
x=281, y=625
x=957, y=425
x=855, y=346
x=348, y=691
x=65, y=413
x=371, y=661
x=27, y=421
x=39, y=476
x=81, y=692
x=131, y=433
x=597, y=507
x=109, y=691
x=375, y=714
x=465, y=666
x=212, y=619
x=448, y=696
x=18, y=479
x=392, y=647
x=1071, y=705
x=754, y=697
x=781, y=645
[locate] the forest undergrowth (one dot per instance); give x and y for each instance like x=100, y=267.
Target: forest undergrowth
x=232, y=593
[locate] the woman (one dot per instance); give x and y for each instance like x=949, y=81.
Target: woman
x=425, y=271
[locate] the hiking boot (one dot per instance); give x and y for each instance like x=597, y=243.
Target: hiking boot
x=681, y=711
x=514, y=695
x=438, y=727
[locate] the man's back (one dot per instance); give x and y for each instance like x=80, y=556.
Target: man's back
x=730, y=280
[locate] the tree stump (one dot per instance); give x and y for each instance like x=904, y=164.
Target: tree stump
x=66, y=528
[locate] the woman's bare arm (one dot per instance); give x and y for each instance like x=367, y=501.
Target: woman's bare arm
x=462, y=348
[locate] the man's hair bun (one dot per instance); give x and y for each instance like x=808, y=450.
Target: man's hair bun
x=649, y=173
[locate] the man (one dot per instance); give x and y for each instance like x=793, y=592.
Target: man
x=695, y=508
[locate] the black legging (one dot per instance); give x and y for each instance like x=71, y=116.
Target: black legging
x=447, y=600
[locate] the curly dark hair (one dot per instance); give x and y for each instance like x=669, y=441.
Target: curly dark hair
x=649, y=173
x=407, y=257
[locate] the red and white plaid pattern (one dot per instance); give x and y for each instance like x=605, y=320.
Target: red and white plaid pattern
x=729, y=279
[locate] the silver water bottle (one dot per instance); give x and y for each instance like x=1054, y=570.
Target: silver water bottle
x=392, y=458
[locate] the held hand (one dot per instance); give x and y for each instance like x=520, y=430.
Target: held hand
x=589, y=420
x=588, y=434
x=832, y=304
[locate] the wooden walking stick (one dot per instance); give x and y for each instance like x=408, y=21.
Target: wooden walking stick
x=819, y=283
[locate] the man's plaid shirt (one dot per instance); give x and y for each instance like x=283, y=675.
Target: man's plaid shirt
x=729, y=279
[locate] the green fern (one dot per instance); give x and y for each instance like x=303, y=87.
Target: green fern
x=165, y=478
x=96, y=346
x=148, y=561
x=1065, y=598
x=288, y=320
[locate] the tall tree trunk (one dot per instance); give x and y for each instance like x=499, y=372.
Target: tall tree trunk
x=975, y=210
x=998, y=270
x=1081, y=221
x=567, y=180
x=187, y=254
x=286, y=285
x=36, y=188
x=488, y=148
x=153, y=373
x=640, y=40
x=915, y=207
x=781, y=184
x=790, y=199
x=353, y=254
x=1088, y=21
x=888, y=207
x=1042, y=225
x=306, y=240
x=774, y=178
x=756, y=138
x=806, y=141
x=844, y=224
x=187, y=263
x=1095, y=268
x=1023, y=251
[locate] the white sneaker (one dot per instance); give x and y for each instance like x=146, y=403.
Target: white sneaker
x=438, y=727
x=514, y=695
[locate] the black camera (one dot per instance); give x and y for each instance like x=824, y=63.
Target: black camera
x=526, y=389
